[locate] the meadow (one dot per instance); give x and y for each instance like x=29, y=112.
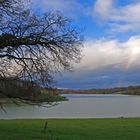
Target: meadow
x=71, y=129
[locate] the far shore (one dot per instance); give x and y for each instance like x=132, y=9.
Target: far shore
x=130, y=90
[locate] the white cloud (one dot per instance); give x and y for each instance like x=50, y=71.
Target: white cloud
x=102, y=9
x=120, y=18
x=128, y=13
x=111, y=53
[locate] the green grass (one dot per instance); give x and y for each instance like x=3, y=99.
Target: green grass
x=71, y=129
x=53, y=97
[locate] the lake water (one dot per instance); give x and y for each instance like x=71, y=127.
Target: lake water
x=80, y=106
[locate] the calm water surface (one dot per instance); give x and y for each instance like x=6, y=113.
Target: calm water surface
x=80, y=106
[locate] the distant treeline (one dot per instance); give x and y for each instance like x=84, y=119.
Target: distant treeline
x=130, y=90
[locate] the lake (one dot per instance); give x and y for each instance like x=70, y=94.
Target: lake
x=80, y=106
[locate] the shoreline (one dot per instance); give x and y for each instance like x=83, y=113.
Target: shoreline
x=104, y=118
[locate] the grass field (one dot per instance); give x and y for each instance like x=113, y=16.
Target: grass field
x=71, y=129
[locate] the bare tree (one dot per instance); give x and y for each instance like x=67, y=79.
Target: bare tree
x=38, y=46
x=8, y=7
x=35, y=47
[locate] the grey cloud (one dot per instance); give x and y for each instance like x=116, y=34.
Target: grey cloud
x=105, y=63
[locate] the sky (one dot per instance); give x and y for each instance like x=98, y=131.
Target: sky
x=111, y=52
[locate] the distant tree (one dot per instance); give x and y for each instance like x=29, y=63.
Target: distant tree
x=32, y=47
x=11, y=87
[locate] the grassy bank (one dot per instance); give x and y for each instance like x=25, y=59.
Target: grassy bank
x=42, y=98
x=87, y=129
x=52, y=97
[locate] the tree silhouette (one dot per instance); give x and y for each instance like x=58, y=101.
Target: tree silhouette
x=34, y=47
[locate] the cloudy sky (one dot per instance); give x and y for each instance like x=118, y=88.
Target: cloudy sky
x=111, y=53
